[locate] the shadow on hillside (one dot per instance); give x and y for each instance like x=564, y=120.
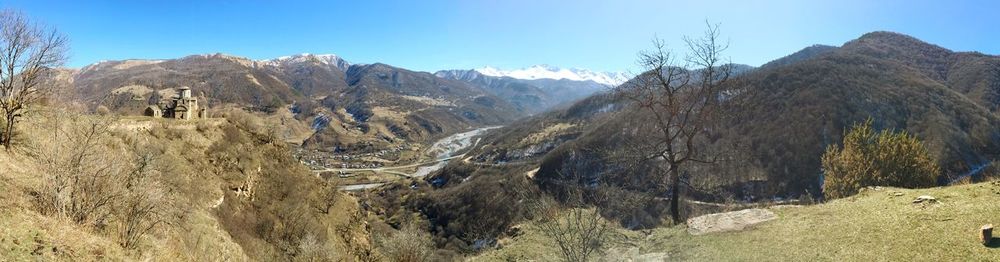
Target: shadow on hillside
x=994, y=243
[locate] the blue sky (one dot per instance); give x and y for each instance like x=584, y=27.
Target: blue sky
x=432, y=35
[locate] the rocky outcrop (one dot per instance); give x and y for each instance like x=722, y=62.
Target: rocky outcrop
x=729, y=221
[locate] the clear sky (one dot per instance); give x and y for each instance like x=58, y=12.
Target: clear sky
x=430, y=35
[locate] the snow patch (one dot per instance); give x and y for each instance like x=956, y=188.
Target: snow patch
x=326, y=59
x=551, y=72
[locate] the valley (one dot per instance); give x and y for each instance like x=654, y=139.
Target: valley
x=433, y=159
x=406, y=144
x=444, y=131
x=455, y=150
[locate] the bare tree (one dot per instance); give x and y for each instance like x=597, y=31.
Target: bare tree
x=312, y=249
x=81, y=173
x=676, y=105
x=577, y=229
x=140, y=209
x=329, y=195
x=27, y=50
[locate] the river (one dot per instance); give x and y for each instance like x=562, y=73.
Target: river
x=442, y=151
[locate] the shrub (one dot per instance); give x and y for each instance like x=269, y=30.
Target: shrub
x=870, y=158
x=409, y=244
x=102, y=110
x=579, y=233
x=94, y=178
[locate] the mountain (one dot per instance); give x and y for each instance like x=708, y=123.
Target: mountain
x=350, y=105
x=946, y=98
x=330, y=60
x=531, y=95
x=224, y=79
x=804, y=54
x=791, y=110
x=540, y=88
x=550, y=72
x=973, y=74
x=387, y=105
x=313, y=75
x=522, y=94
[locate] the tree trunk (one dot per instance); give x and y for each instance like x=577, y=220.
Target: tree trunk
x=675, y=185
x=986, y=234
x=8, y=132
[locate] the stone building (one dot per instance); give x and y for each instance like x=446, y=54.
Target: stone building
x=182, y=106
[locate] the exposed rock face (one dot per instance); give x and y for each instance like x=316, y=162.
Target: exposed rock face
x=925, y=199
x=729, y=221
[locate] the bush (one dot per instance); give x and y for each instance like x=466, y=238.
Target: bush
x=871, y=158
x=94, y=178
x=409, y=244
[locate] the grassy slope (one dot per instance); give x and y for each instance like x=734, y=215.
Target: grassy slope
x=198, y=235
x=874, y=225
x=26, y=234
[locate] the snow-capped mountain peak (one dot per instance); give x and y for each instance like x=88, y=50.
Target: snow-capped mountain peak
x=551, y=72
x=327, y=59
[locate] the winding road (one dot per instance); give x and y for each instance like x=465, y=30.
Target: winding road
x=390, y=168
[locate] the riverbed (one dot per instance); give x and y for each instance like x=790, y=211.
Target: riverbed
x=441, y=152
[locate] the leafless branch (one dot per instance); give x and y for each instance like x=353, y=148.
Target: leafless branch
x=27, y=50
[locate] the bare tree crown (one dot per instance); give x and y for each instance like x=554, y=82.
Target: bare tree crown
x=676, y=105
x=27, y=50
x=682, y=98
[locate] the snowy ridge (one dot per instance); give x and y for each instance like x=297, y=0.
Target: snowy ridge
x=326, y=59
x=551, y=72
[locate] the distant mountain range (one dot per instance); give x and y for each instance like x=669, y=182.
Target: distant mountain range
x=349, y=105
x=538, y=88
x=550, y=72
x=353, y=106
x=530, y=95
x=532, y=89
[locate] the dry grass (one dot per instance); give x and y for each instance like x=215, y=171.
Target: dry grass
x=195, y=230
x=388, y=114
x=548, y=132
x=27, y=235
x=535, y=245
x=138, y=90
x=429, y=101
x=876, y=225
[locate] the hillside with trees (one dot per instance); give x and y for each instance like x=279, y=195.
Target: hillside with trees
x=885, y=147
x=767, y=145
x=403, y=106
